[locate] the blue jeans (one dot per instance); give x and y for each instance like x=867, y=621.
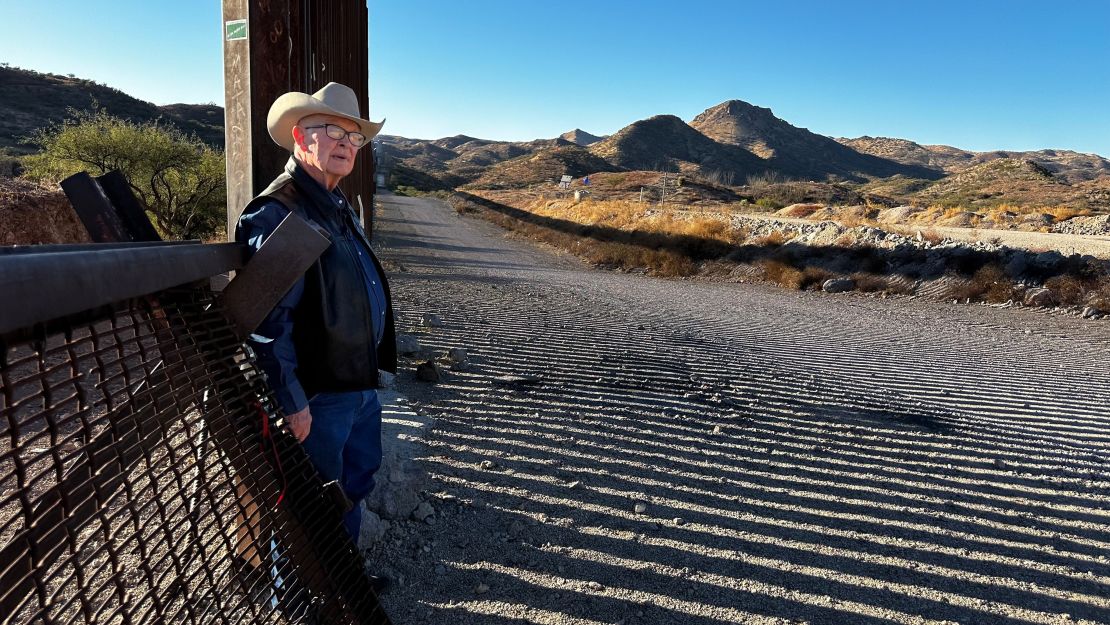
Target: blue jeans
x=345, y=444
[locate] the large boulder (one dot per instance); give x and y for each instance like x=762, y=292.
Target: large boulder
x=838, y=285
x=1040, y=297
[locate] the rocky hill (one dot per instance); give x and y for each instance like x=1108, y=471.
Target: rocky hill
x=666, y=143
x=453, y=161
x=796, y=152
x=30, y=100
x=1067, y=165
x=544, y=165
x=580, y=137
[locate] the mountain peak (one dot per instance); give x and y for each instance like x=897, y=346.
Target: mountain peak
x=737, y=122
x=581, y=137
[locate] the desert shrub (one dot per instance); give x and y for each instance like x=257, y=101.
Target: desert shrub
x=1068, y=290
x=801, y=211
x=932, y=236
x=1100, y=296
x=781, y=273
x=774, y=239
x=768, y=204
x=10, y=165
x=1064, y=213
x=179, y=178
x=814, y=278
x=989, y=283
x=766, y=179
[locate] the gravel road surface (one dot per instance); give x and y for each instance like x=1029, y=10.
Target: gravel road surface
x=625, y=449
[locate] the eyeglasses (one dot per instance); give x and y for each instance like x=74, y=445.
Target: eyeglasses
x=356, y=138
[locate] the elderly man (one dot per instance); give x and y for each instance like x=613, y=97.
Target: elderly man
x=322, y=346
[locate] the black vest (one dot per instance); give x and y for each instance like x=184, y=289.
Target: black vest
x=332, y=330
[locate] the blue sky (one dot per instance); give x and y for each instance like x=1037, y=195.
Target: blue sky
x=976, y=74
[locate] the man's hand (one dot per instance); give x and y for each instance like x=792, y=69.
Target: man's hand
x=299, y=423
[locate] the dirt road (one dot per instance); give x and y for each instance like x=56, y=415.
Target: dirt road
x=633, y=450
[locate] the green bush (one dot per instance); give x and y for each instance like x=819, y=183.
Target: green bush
x=179, y=178
x=768, y=204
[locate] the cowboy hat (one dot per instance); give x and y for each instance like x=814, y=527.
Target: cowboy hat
x=334, y=99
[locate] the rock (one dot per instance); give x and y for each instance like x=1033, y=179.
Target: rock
x=423, y=511
x=679, y=521
x=373, y=529
x=458, y=359
x=838, y=285
x=1039, y=297
x=640, y=508
x=431, y=320
x=1090, y=312
x=400, y=480
x=428, y=371
x=488, y=464
x=407, y=344
x=481, y=589
x=386, y=379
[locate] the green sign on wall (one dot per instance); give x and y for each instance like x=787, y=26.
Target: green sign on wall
x=235, y=29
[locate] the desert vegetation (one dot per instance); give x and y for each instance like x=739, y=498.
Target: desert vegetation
x=633, y=236
x=179, y=178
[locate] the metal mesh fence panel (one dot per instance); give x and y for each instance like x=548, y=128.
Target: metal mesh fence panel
x=143, y=480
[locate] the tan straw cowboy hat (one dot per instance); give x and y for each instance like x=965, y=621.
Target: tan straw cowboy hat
x=333, y=99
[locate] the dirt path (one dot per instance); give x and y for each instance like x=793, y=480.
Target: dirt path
x=699, y=453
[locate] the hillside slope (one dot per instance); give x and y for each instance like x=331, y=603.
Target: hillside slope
x=30, y=100
x=795, y=152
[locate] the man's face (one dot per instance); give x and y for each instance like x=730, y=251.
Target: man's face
x=333, y=157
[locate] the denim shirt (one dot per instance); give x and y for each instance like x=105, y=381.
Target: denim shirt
x=273, y=339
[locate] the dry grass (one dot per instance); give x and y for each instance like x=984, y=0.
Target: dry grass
x=800, y=211
x=775, y=239
x=932, y=236
x=1069, y=290
x=780, y=273
x=631, y=236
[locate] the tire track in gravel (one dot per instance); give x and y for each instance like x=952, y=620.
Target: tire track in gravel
x=800, y=458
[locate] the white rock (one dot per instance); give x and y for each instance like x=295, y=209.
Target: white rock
x=838, y=285
x=640, y=508
x=372, y=530
x=1039, y=297
x=386, y=379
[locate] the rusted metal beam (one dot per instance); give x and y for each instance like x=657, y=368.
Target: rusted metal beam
x=282, y=260
x=55, y=284
x=95, y=209
x=131, y=212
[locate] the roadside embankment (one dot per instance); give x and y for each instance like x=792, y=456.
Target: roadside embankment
x=803, y=254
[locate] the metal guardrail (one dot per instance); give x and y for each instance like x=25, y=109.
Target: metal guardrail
x=143, y=475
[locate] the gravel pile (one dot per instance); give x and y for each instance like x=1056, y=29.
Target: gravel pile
x=1087, y=226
